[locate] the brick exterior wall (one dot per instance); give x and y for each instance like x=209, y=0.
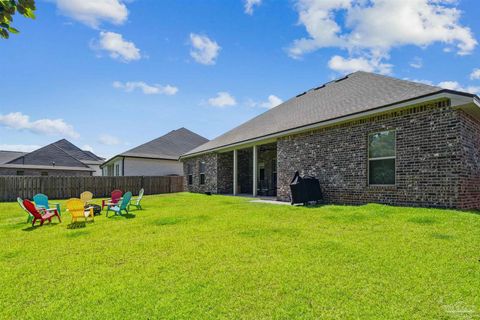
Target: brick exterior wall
x=31, y=172
x=428, y=159
x=437, y=160
x=470, y=155
x=210, y=173
x=225, y=173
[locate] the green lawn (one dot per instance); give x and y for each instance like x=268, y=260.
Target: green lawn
x=198, y=257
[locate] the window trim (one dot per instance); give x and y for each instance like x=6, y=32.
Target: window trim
x=394, y=157
x=202, y=173
x=189, y=174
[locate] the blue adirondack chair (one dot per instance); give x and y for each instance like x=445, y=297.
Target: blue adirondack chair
x=41, y=201
x=29, y=215
x=121, y=206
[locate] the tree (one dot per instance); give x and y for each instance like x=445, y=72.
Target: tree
x=8, y=8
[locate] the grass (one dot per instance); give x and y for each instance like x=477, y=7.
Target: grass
x=198, y=257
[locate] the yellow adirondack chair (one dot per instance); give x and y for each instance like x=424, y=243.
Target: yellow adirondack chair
x=77, y=209
x=86, y=197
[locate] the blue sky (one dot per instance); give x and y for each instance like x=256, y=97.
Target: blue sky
x=115, y=74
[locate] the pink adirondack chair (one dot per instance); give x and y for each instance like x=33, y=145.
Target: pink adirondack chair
x=116, y=196
x=48, y=215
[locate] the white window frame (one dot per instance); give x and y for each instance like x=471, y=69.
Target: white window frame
x=189, y=174
x=382, y=158
x=200, y=172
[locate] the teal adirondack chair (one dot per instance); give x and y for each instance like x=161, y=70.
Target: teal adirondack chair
x=29, y=215
x=136, y=201
x=41, y=201
x=121, y=206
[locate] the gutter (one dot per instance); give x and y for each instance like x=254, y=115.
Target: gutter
x=438, y=95
x=135, y=157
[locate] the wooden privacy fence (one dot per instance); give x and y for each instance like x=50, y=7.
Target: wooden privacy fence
x=26, y=187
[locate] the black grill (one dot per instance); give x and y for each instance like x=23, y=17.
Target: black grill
x=305, y=189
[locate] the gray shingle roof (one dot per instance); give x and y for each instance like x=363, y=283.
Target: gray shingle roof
x=48, y=155
x=93, y=155
x=75, y=151
x=357, y=92
x=6, y=156
x=170, y=146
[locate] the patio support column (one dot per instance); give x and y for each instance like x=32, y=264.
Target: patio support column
x=235, y=172
x=254, y=175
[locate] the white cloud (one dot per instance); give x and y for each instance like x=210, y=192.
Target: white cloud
x=416, y=63
x=250, y=4
x=223, y=99
x=117, y=47
x=204, y=50
x=454, y=85
x=272, y=102
x=87, y=147
x=475, y=75
x=19, y=147
x=146, y=88
x=20, y=121
x=349, y=65
x=93, y=12
x=451, y=85
x=373, y=28
x=108, y=140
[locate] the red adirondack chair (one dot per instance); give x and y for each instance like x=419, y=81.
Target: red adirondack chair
x=116, y=196
x=48, y=215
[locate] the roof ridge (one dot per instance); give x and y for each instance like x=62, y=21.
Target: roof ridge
x=68, y=154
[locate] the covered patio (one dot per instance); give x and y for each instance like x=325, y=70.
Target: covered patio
x=249, y=171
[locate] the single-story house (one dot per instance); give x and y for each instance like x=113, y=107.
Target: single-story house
x=159, y=157
x=366, y=137
x=61, y=158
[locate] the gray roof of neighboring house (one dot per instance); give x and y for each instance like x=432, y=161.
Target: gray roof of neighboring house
x=93, y=155
x=62, y=153
x=355, y=93
x=47, y=156
x=43, y=167
x=76, y=152
x=6, y=156
x=170, y=146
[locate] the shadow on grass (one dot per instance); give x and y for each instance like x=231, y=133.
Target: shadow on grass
x=36, y=226
x=77, y=225
x=77, y=234
x=126, y=216
x=442, y=236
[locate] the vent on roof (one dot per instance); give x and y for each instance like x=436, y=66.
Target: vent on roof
x=322, y=86
x=301, y=94
x=341, y=79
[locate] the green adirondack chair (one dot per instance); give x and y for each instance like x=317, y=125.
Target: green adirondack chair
x=29, y=215
x=121, y=206
x=136, y=201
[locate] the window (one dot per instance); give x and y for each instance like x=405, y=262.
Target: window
x=201, y=171
x=20, y=173
x=117, y=169
x=381, y=158
x=189, y=174
x=44, y=173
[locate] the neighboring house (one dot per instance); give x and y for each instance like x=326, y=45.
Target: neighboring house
x=158, y=157
x=61, y=158
x=366, y=137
